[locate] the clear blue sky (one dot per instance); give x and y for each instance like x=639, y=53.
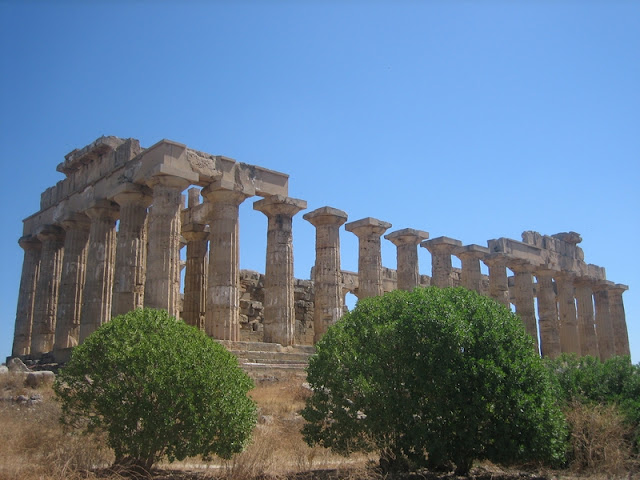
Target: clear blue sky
x=474, y=120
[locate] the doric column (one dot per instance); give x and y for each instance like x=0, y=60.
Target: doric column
x=26, y=296
x=327, y=276
x=470, y=256
x=586, y=319
x=279, y=307
x=76, y=242
x=498, y=280
x=98, y=288
x=524, y=296
x=569, y=334
x=406, y=241
x=223, y=294
x=548, y=314
x=131, y=249
x=47, y=288
x=618, y=320
x=368, y=230
x=604, y=325
x=162, y=285
x=441, y=249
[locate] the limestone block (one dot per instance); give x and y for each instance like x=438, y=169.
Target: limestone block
x=39, y=379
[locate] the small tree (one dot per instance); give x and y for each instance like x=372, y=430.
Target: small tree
x=158, y=388
x=432, y=377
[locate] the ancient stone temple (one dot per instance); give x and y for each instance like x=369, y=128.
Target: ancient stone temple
x=108, y=239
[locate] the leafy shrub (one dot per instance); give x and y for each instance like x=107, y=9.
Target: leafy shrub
x=431, y=377
x=158, y=388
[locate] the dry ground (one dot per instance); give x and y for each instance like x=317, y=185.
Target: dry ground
x=34, y=446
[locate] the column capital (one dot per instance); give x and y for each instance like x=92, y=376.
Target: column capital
x=132, y=193
x=222, y=195
x=441, y=245
x=602, y=285
x=496, y=259
x=407, y=236
x=50, y=232
x=471, y=252
x=325, y=216
x=367, y=227
x=103, y=209
x=519, y=265
x=195, y=231
x=29, y=242
x=75, y=220
x=618, y=288
x=544, y=271
x=170, y=180
x=279, y=205
x=584, y=280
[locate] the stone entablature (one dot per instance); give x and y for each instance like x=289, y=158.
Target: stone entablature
x=108, y=238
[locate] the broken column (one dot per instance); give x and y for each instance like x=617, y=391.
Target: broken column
x=470, y=256
x=279, y=307
x=604, y=325
x=194, y=306
x=72, y=282
x=524, y=296
x=618, y=319
x=548, y=314
x=368, y=230
x=327, y=282
x=222, y=319
x=498, y=280
x=47, y=288
x=406, y=241
x=569, y=334
x=586, y=319
x=26, y=296
x=98, y=289
x=131, y=249
x=441, y=249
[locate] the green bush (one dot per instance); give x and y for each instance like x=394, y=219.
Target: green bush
x=158, y=388
x=433, y=377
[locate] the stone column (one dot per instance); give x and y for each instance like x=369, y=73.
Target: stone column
x=72, y=282
x=524, y=296
x=162, y=285
x=279, y=306
x=406, y=241
x=98, y=288
x=618, y=319
x=26, y=295
x=498, y=280
x=470, y=256
x=441, y=249
x=327, y=276
x=586, y=320
x=604, y=325
x=131, y=249
x=368, y=230
x=569, y=334
x=548, y=314
x=194, y=306
x=47, y=288
x=223, y=294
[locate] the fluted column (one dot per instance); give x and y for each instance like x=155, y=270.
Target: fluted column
x=604, y=325
x=618, y=319
x=222, y=320
x=47, y=288
x=441, y=249
x=569, y=334
x=327, y=276
x=524, y=297
x=195, y=279
x=548, y=314
x=279, y=307
x=470, y=256
x=76, y=243
x=98, y=288
x=498, y=280
x=368, y=230
x=406, y=242
x=26, y=296
x=586, y=318
x=131, y=249
x=162, y=285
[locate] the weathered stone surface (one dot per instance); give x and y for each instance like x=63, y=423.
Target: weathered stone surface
x=26, y=295
x=406, y=242
x=470, y=256
x=441, y=249
x=39, y=379
x=16, y=365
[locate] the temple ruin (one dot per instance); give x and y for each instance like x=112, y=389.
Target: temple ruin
x=108, y=238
